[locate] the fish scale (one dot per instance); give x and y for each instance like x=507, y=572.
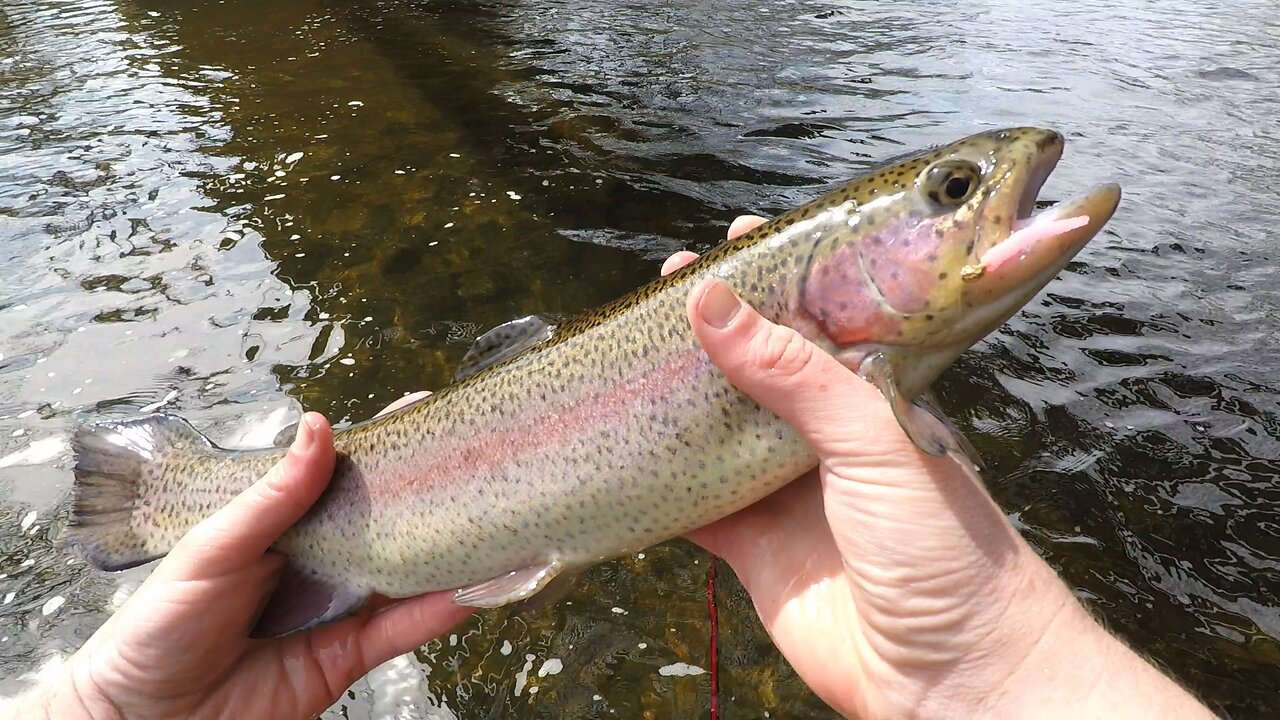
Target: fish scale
x=564, y=447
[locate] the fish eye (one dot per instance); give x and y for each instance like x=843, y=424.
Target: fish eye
x=950, y=182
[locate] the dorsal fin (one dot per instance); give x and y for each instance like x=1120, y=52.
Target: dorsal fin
x=503, y=343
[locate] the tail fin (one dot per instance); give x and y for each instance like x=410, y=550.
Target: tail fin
x=116, y=465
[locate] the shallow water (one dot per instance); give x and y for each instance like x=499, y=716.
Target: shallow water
x=223, y=209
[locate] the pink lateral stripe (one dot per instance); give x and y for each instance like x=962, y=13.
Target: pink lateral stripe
x=455, y=460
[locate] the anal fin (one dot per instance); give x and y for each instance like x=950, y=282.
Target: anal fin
x=514, y=586
x=305, y=598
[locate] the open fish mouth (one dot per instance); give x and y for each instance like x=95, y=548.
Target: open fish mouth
x=1039, y=244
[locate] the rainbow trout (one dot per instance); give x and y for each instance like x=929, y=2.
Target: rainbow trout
x=561, y=447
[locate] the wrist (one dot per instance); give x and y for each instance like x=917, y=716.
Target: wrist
x=55, y=698
x=1047, y=658
x=1012, y=621
x=1079, y=670
x=71, y=694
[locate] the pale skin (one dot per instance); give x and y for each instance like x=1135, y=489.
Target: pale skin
x=888, y=578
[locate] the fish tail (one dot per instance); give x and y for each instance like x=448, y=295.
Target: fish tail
x=119, y=468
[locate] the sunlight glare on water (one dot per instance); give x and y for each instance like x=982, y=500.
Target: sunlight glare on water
x=226, y=209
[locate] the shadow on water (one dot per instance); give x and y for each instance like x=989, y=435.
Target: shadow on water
x=222, y=209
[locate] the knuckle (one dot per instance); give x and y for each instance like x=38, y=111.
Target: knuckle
x=782, y=351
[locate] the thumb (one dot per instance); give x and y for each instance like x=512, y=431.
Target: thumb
x=831, y=407
x=250, y=523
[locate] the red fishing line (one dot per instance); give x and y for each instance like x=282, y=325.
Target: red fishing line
x=711, y=612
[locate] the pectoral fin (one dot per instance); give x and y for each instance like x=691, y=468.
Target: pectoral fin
x=503, y=343
x=935, y=438
x=510, y=587
x=929, y=403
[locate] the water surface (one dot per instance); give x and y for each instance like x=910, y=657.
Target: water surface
x=227, y=209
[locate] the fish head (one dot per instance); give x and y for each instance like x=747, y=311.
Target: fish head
x=922, y=258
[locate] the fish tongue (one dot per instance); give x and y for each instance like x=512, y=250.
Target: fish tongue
x=1026, y=233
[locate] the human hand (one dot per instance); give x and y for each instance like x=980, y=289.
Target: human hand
x=888, y=577
x=179, y=647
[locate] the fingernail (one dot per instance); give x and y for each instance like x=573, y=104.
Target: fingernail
x=302, y=442
x=719, y=306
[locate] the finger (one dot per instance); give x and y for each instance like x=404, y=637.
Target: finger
x=744, y=223
x=827, y=404
x=348, y=649
x=408, y=624
x=250, y=523
x=740, y=225
x=677, y=261
x=405, y=401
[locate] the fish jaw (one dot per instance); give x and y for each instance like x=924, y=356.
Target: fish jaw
x=1011, y=272
x=1040, y=246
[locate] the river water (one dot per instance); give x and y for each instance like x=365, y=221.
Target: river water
x=227, y=209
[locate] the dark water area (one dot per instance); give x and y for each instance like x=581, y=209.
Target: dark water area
x=229, y=209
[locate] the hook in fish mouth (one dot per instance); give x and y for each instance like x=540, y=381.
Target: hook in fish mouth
x=970, y=273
